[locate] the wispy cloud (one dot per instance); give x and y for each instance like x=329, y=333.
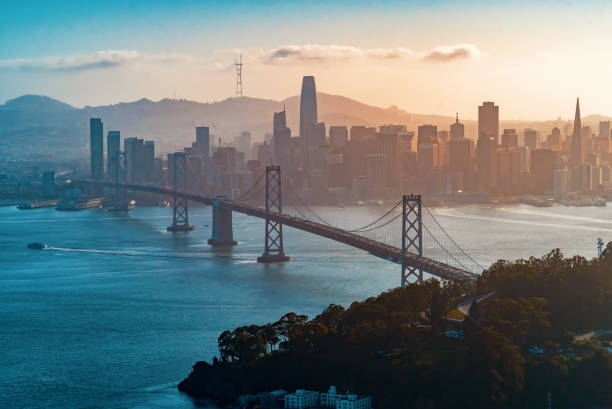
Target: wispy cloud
x=317, y=53
x=448, y=53
x=94, y=61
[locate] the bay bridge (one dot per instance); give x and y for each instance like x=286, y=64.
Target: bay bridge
x=408, y=234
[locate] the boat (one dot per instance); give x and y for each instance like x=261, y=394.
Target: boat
x=36, y=205
x=71, y=204
x=36, y=246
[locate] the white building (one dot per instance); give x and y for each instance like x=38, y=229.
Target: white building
x=302, y=399
x=333, y=399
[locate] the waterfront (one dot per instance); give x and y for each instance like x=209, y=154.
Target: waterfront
x=115, y=314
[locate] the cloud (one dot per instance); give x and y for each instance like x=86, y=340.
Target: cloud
x=87, y=62
x=448, y=53
x=317, y=53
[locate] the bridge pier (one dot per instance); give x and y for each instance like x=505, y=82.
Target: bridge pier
x=273, y=252
x=222, y=231
x=180, y=210
x=412, y=236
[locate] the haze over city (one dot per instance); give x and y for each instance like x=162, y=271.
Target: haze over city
x=305, y=204
x=425, y=57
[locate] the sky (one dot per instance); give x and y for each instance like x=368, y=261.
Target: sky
x=436, y=57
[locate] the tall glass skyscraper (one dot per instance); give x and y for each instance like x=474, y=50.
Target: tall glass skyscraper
x=308, y=116
x=96, y=145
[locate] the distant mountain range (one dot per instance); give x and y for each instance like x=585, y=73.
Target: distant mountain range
x=39, y=126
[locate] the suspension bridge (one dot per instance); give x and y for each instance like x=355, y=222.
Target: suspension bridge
x=407, y=234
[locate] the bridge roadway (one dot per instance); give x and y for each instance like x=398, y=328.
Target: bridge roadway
x=390, y=253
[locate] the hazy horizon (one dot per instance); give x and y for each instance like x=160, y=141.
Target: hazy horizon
x=424, y=57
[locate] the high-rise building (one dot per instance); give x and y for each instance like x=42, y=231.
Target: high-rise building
x=553, y=141
x=457, y=130
x=488, y=121
x=604, y=129
x=113, y=148
x=388, y=145
x=202, y=143
x=427, y=157
x=560, y=182
x=243, y=143
x=508, y=169
x=318, y=145
x=392, y=128
x=96, y=145
x=376, y=165
x=148, y=162
x=460, y=155
x=360, y=144
x=308, y=116
x=576, y=153
x=427, y=134
x=544, y=162
x=48, y=183
x=338, y=138
x=531, y=138
x=281, y=138
x=509, y=138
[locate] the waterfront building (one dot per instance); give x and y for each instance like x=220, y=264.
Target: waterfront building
x=531, y=138
x=333, y=399
x=596, y=176
x=508, y=169
x=48, y=183
x=308, y=116
x=387, y=144
x=113, y=148
x=302, y=399
x=543, y=165
x=561, y=182
x=486, y=161
x=134, y=159
x=96, y=145
x=376, y=165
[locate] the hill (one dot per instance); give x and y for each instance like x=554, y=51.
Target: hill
x=33, y=125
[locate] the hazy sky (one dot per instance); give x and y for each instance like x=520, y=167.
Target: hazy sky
x=533, y=59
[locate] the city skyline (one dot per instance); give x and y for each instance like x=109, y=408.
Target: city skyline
x=406, y=65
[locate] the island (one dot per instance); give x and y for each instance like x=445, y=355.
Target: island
x=526, y=333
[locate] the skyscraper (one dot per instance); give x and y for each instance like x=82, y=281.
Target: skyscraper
x=203, y=141
x=604, y=129
x=308, y=116
x=457, y=130
x=281, y=138
x=488, y=121
x=576, y=154
x=96, y=145
x=113, y=146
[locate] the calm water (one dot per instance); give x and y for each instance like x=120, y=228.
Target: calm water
x=117, y=312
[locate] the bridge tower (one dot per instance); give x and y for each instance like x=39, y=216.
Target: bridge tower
x=273, y=252
x=412, y=236
x=120, y=201
x=180, y=213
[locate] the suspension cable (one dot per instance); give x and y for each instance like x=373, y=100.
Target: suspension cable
x=377, y=220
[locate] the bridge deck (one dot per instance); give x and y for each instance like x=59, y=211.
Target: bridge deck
x=376, y=248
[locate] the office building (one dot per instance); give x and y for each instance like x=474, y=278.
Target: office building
x=488, y=121
x=427, y=134
x=202, y=143
x=486, y=162
x=460, y=155
x=308, y=116
x=281, y=138
x=553, y=141
x=388, y=145
x=96, y=145
x=301, y=399
x=48, y=183
x=224, y=159
x=376, y=168
x=333, y=399
x=457, y=130
x=604, y=129
x=509, y=138
x=243, y=143
x=530, y=137
x=427, y=157
x=561, y=182
x=148, y=154
x=508, y=169
x=576, y=148
x=113, y=150
x=360, y=144
x=544, y=162
x=392, y=128
x=338, y=138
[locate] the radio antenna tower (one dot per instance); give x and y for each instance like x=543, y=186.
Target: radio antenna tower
x=238, y=65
